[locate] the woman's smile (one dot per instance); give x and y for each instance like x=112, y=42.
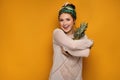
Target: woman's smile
x=66, y=26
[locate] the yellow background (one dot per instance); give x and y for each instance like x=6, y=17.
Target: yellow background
x=26, y=38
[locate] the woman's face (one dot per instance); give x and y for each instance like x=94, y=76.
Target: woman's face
x=66, y=22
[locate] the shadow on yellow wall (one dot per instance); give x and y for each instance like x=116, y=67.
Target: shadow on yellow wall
x=26, y=38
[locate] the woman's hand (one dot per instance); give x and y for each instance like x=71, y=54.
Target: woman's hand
x=64, y=52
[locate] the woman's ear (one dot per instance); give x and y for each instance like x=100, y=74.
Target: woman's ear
x=74, y=22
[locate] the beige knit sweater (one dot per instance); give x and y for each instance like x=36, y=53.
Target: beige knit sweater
x=67, y=57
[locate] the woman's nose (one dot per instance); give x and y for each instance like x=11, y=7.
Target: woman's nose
x=64, y=23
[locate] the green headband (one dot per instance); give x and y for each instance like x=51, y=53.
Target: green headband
x=68, y=9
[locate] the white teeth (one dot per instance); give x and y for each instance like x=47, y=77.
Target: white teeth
x=65, y=26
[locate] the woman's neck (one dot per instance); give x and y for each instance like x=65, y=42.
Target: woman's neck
x=71, y=32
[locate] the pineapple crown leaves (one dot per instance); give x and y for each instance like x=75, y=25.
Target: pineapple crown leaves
x=82, y=28
x=80, y=32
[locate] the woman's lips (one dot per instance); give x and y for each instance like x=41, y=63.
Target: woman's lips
x=65, y=27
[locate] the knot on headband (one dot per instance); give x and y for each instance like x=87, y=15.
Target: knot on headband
x=67, y=7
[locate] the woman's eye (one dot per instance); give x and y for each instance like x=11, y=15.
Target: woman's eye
x=68, y=19
x=61, y=20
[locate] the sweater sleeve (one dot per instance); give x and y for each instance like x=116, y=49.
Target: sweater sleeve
x=63, y=40
x=78, y=53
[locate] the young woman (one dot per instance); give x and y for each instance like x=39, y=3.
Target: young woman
x=68, y=53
